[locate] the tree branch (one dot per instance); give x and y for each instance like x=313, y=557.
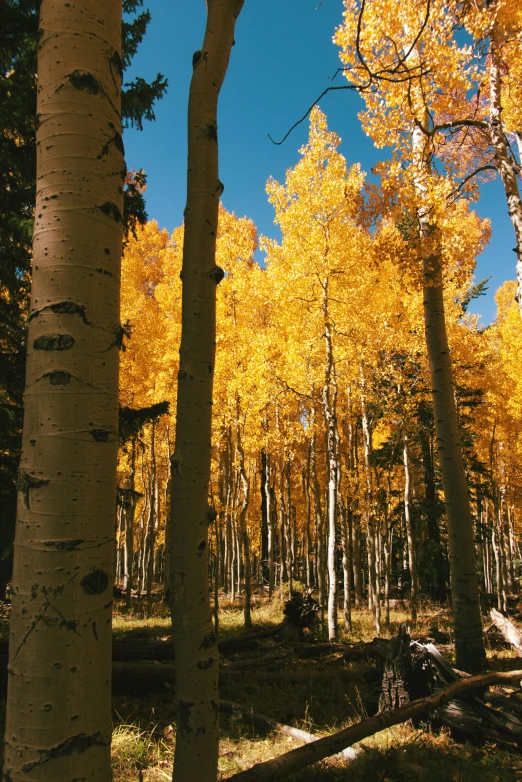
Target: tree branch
x=297, y=759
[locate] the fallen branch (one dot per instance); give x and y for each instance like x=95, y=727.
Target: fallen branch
x=511, y=633
x=298, y=676
x=230, y=644
x=146, y=677
x=376, y=649
x=254, y=718
x=130, y=649
x=297, y=759
x=255, y=662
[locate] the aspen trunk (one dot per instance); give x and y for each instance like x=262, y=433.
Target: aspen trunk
x=438, y=584
x=388, y=553
x=373, y=547
x=408, y=523
x=267, y=524
x=194, y=638
x=271, y=531
x=59, y=696
x=289, y=534
x=346, y=529
x=130, y=507
x=217, y=574
x=469, y=639
x=512, y=548
x=152, y=519
x=329, y=408
x=308, y=531
x=283, y=573
x=357, y=562
x=504, y=162
x=243, y=532
x=319, y=528
x=119, y=548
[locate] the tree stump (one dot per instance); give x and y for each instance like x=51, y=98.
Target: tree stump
x=396, y=676
x=300, y=617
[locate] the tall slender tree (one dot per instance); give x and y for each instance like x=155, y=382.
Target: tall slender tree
x=194, y=638
x=386, y=47
x=18, y=68
x=58, y=711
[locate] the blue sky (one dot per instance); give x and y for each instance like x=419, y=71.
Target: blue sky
x=282, y=60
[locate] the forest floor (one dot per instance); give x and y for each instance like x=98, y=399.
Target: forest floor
x=332, y=694
x=324, y=701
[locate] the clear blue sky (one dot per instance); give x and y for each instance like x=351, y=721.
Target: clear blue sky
x=282, y=60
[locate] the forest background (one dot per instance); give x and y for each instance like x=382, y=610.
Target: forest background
x=324, y=465
x=285, y=61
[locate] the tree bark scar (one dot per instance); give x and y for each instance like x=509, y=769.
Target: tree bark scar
x=210, y=516
x=216, y=274
x=53, y=342
x=204, y=665
x=198, y=56
x=184, y=710
x=112, y=211
x=210, y=131
x=73, y=745
x=102, y=435
x=124, y=330
x=95, y=582
x=64, y=545
x=63, y=308
x=58, y=378
x=25, y=482
x=115, y=139
x=209, y=639
x=116, y=64
x=85, y=82
x=106, y=272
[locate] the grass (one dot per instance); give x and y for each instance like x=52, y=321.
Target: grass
x=139, y=753
x=144, y=736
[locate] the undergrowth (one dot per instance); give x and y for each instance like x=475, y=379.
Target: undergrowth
x=144, y=733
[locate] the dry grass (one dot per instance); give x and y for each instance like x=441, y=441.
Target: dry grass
x=145, y=737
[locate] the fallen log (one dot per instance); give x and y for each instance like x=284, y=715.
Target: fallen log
x=130, y=649
x=301, y=757
x=498, y=722
x=376, y=650
x=255, y=662
x=255, y=678
x=147, y=677
x=511, y=633
x=266, y=723
x=228, y=645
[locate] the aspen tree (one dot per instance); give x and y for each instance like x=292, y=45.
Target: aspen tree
x=58, y=709
x=504, y=159
x=398, y=112
x=469, y=639
x=194, y=638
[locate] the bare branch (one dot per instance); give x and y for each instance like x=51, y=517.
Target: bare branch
x=355, y=87
x=294, y=390
x=470, y=176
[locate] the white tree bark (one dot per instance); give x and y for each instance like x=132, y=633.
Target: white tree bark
x=58, y=708
x=194, y=638
x=503, y=160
